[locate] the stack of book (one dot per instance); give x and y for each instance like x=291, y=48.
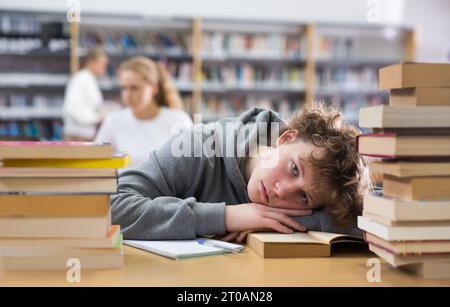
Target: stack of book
x=54, y=205
x=408, y=225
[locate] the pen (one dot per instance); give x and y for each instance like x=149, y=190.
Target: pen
x=220, y=245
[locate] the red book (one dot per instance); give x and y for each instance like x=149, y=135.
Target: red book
x=54, y=150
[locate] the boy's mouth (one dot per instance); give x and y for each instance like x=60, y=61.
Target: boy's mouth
x=263, y=192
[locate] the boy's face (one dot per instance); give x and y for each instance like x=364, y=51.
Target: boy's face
x=281, y=178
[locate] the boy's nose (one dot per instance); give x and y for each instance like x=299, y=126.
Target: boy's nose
x=284, y=189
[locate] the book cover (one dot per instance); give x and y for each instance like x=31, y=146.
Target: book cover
x=383, y=116
x=119, y=160
x=52, y=172
x=420, y=97
x=395, y=209
x=398, y=261
x=430, y=231
x=391, y=145
x=55, y=227
x=54, y=150
x=54, y=205
x=113, y=239
x=417, y=188
x=410, y=248
x=404, y=169
x=58, y=185
x=412, y=74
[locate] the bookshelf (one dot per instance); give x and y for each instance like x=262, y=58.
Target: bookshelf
x=34, y=57
x=246, y=64
x=347, y=59
x=165, y=41
x=220, y=66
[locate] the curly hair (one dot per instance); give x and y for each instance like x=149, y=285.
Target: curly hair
x=340, y=170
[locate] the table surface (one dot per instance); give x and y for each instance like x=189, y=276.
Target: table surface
x=347, y=267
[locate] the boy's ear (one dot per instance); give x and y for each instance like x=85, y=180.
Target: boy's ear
x=287, y=137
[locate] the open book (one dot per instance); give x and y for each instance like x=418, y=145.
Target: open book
x=298, y=244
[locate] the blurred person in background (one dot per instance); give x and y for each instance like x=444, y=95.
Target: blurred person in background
x=83, y=99
x=152, y=113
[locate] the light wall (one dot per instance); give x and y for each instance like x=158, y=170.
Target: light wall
x=353, y=11
x=431, y=17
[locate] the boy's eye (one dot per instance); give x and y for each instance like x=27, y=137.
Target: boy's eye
x=303, y=197
x=294, y=169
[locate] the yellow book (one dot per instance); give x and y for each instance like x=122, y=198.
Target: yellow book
x=118, y=161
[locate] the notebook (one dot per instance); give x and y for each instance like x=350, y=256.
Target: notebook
x=179, y=249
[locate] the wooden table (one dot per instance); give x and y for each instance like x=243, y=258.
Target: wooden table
x=347, y=267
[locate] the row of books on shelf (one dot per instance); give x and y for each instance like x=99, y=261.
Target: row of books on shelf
x=31, y=65
x=214, y=45
x=350, y=106
x=25, y=113
x=54, y=205
x=33, y=79
x=274, y=45
x=409, y=224
x=356, y=47
x=257, y=76
x=223, y=77
x=38, y=129
x=33, y=100
x=19, y=24
x=214, y=107
x=27, y=45
x=115, y=42
x=350, y=79
x=181, y=72
x=334, y=47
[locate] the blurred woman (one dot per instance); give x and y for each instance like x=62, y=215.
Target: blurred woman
x=153, y=110
x=83, y=99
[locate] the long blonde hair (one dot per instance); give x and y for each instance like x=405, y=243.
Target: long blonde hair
x=155, y=73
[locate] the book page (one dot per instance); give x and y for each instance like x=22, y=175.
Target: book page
x=296, y=237
x=327, y=237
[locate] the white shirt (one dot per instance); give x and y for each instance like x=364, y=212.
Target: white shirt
x=82, y=105
x=139, y=137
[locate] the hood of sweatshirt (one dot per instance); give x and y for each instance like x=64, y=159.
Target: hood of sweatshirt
x=236, y=137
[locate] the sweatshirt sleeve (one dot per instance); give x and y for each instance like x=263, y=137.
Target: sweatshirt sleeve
x=153, y=200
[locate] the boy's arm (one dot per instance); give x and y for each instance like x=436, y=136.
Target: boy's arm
x=154, y=202
x=147, y=207
x=320, y=221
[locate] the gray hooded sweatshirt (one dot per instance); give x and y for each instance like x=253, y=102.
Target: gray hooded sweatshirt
x=181, y=191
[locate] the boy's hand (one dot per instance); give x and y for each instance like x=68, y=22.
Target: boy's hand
x=256, y=217
x=237, y=237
